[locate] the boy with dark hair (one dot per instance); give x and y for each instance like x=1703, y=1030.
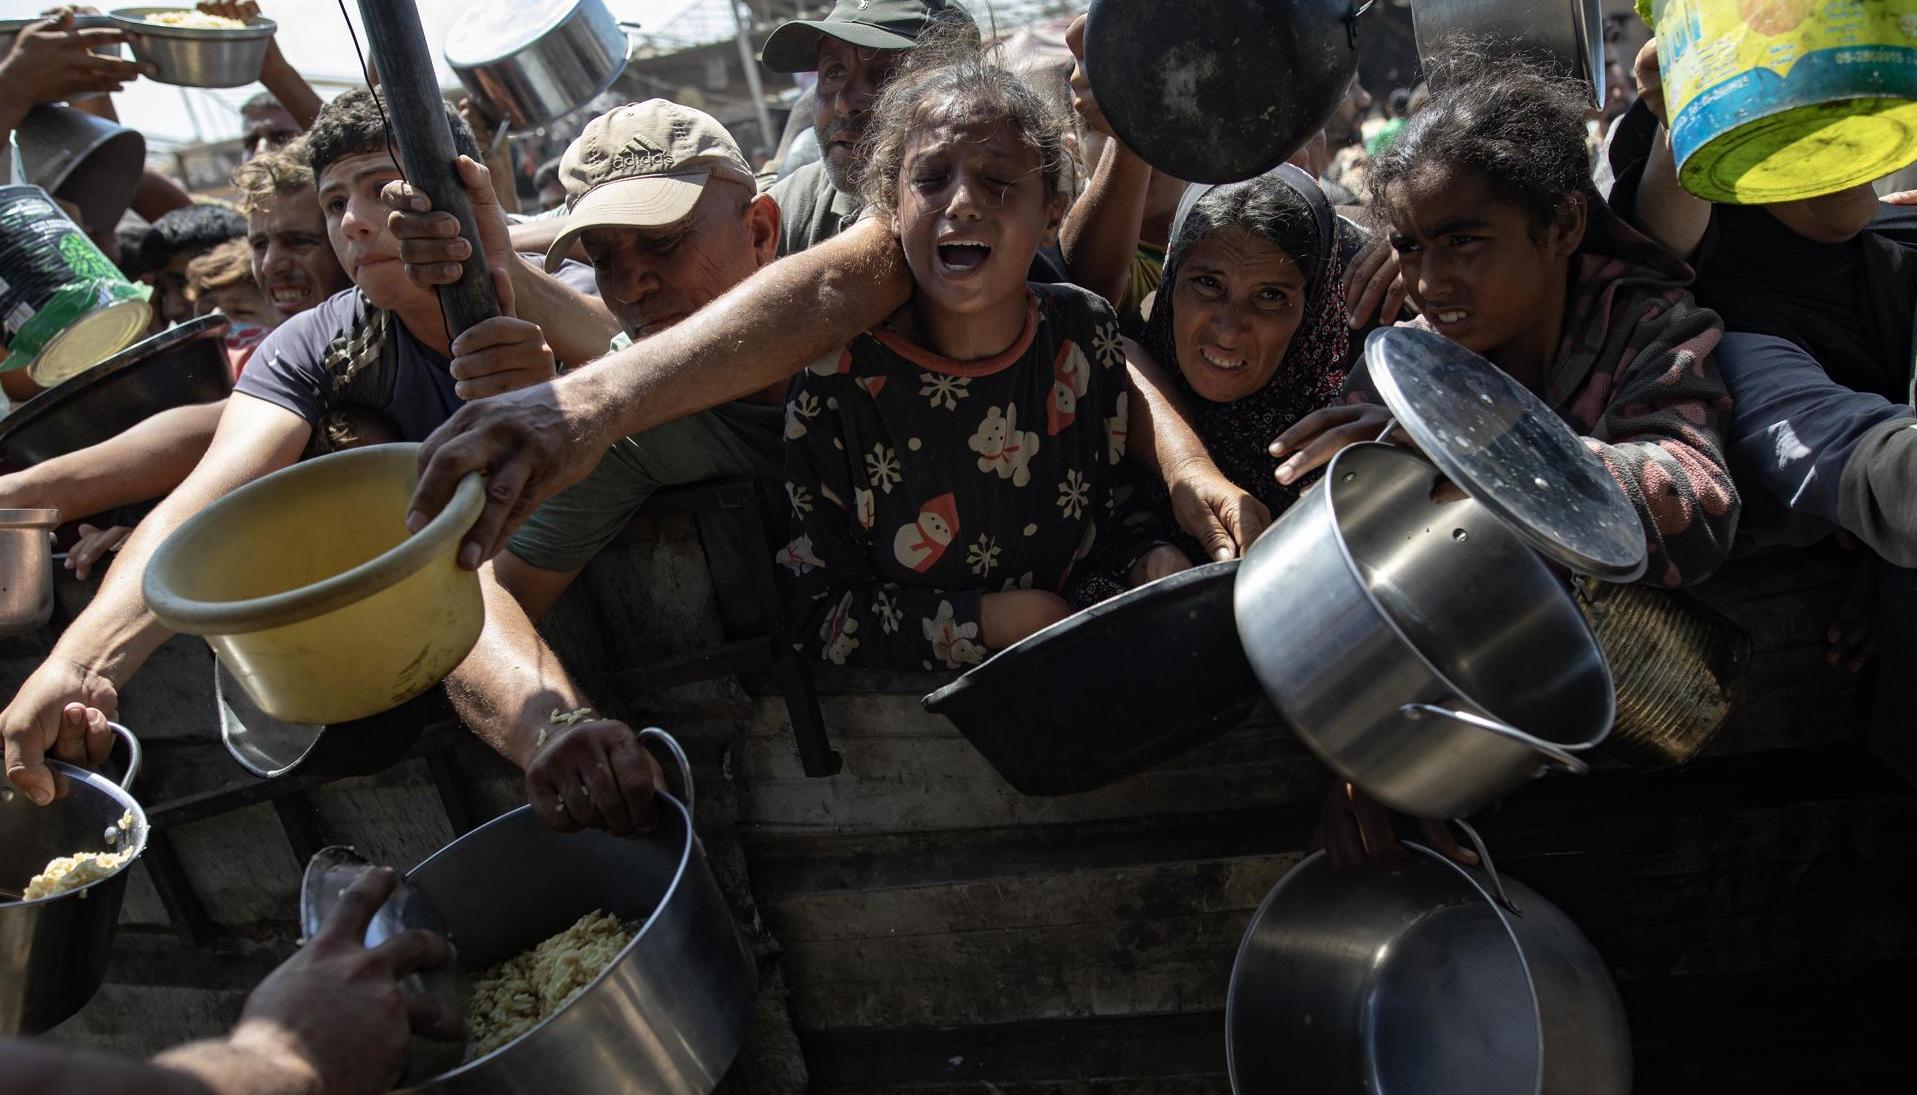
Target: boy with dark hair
x=175, y=240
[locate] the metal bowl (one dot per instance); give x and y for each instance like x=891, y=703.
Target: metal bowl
x=193, y=57
x=177, y=367
x=26, y=569
x=53, y=951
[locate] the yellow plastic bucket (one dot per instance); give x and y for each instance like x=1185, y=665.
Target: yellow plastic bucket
x=309, y=588
x=1778, y=100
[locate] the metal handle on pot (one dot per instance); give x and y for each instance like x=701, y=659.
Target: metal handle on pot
x=1553, y=753
x=1490, y=868
x=678, y=755
x=133, y=755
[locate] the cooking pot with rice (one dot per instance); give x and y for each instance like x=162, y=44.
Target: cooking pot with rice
x=54, y=944
x=666, y=1016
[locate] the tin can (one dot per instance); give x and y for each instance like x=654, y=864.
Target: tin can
x=63, y=306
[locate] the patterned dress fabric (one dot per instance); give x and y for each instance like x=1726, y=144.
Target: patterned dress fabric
x=919, y=484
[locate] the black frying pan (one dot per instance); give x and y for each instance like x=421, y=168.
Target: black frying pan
x=1112, y=691
x=1220, y=90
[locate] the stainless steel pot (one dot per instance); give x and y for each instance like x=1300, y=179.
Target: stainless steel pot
x=1407, y=640
x=536, y=61
x=185, y=364
x=1425, y=979
x=1569, y=33
x=53, y=952
x=82, y=158
x=26, y=569
x=666, y=1018
x=195, y=57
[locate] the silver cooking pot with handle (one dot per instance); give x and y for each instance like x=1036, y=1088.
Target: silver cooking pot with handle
x=670, y=1013
x=1568, y=33
x=1414, y=637
x=535, y=61
x=1426, y=978
x=53, y=951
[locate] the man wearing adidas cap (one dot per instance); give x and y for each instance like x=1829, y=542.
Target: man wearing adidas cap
x=664, y=206
x=855, y=49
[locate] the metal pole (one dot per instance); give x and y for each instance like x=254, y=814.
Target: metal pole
x=766, y=136
x=417, y=114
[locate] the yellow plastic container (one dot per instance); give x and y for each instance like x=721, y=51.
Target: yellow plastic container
x=308, y=586
x=1779, y=100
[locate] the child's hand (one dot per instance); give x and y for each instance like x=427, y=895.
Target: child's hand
x=1005, y=618
x=93, y=545
x=1162, y=561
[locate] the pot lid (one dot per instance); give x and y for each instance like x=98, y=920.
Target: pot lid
x=1502, y=445
x=1220, y=90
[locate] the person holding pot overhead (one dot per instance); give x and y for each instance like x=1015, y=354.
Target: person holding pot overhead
x=1819, y=299
x=1508, y=250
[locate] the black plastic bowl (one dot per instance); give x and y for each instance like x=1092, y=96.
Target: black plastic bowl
x=1111, y=691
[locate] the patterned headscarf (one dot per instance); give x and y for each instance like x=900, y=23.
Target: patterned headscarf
x=1238, y=434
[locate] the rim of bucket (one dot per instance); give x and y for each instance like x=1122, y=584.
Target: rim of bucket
x=1698, y=171
x=381, y=572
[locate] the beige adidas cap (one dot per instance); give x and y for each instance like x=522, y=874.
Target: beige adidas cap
x=643, y=165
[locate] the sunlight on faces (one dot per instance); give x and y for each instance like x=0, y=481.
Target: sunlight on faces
x=356, y=226
x=1476, y=266
x=850, y=79
x=293, y=259
x=1239, y=300
x=652, y=278
x=972, y=208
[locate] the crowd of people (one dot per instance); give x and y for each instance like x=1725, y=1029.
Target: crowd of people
x=995, y=366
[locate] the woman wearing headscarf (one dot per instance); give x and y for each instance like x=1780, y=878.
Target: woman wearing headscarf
x=1248, y=332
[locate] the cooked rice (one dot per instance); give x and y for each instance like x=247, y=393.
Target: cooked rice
x=519, y=993
x=194, y=20
x=70, y=872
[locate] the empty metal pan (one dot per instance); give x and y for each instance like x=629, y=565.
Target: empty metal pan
x=1422, y=979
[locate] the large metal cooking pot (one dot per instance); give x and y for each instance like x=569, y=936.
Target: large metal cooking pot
x=1567, y=33
x=1423, y=979
x=1416, y=640
x=1220, y=90
x=666, y=1018
x=177, y=367
x=1406, y=640
x=536, y=61
x=53, y=951
x=82, y=158
x=1111, y=691
x=26, y=569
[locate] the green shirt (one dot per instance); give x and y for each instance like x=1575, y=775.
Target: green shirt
x=811, y=209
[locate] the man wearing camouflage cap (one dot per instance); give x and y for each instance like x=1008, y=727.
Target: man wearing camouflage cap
x=663, y=204
x=855, y=50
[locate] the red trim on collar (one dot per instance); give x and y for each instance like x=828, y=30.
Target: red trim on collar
x=926, y=359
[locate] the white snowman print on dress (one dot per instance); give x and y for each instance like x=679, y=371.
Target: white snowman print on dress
x=1071, y=379
x=1002, y=447
x=922, y=543
x=953, y=643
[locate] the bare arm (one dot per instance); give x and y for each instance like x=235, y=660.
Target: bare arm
x=280, y=77
x=1100, y=235
x=1218, y=513
x=536, y=442
x=157, y=196
x=36, y=1068
x=145, y=462
x=507, y=688
x=1664, y=210
x=577, y=327
x=106, y=644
